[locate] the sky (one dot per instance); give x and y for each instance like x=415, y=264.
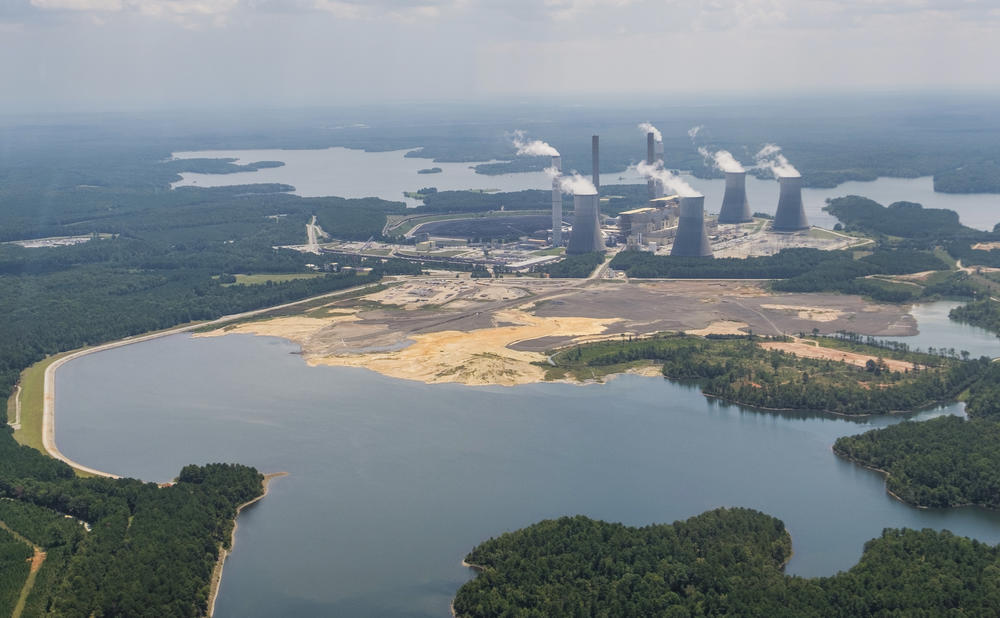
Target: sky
x=134, y=54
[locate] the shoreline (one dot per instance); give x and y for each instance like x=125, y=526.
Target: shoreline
x=48, y=425
x=216, y=581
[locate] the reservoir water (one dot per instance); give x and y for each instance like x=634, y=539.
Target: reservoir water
x=354, y=173
x=393, y=482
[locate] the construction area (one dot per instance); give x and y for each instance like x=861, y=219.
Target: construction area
x=448, y=329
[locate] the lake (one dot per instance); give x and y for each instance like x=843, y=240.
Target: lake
x=355, y=173
x=393, y=482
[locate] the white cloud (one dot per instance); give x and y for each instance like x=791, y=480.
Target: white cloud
x=78, y=5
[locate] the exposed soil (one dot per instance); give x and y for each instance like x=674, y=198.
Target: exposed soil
x=435, y=329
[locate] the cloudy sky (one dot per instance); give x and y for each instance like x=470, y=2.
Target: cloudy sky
x=122, y=54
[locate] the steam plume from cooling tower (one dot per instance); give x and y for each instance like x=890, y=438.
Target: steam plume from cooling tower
x=770, y=157
x=669, y=179
x=646, y=127
x=534, y=147
x=573, y=183
x=723, y=160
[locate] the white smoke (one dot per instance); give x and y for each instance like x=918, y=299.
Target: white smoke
x=670, y=180
x=721, y=159
x=534, y=148
x=646, y=127
x=770, y=157
x=693, y=131
x=573, y=183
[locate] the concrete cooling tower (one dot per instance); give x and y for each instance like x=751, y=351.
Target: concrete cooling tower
x=556, y=203
x=691, y=239
x=586, y=235
x=735, y=207
x=790, y=216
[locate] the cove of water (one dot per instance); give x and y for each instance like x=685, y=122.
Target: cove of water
x=937, y=331
x=355, y=173
x=393, y=482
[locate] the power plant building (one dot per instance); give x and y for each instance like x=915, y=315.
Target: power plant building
x=586, y=236
x=735, y=206
x=791, y=215
x=691, y=239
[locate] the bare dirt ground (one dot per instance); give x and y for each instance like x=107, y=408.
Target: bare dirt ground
x=436, y=329
x=806, y=350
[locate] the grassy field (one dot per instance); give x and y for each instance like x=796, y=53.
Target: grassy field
x=32, y=393
x=262, y=279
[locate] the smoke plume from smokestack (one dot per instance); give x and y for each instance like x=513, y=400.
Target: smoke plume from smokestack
x=573, y=183
x=534, y=148
x=645, y=127
x=723, y=160
x=770, y=157
x=669, y=179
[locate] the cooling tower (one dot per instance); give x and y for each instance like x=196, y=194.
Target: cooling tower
x=790, y=215
x=596, y=173
x=735, y=207
x=691, y=239
x=556, y=203
x=586, y=234
x=650, y=159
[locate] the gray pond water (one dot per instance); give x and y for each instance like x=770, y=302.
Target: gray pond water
x=393, y=482
x=353, y=173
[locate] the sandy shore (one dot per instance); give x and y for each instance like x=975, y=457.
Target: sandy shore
x=216, y=581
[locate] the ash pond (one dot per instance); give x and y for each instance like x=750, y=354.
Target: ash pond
x=393, y=482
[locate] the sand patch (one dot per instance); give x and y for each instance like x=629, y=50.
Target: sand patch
x=814, y=314
x=805, y=350
x=476, y=357
x=296, y=328
x=986, y=246
x=721, y=327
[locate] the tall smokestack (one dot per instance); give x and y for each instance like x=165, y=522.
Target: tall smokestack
x=650, y=160
x=658, y=153
x=586, y=235
x=735, y=206
x=691, y=239
x=556, y=203
x=791, y=215
x=596, y=173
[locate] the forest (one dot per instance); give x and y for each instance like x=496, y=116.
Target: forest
x=798, y=270
x=574, y=266
x=904, y=219
x=725, y=562
x=943, y=462
x=741, y=370
x=984, y=313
